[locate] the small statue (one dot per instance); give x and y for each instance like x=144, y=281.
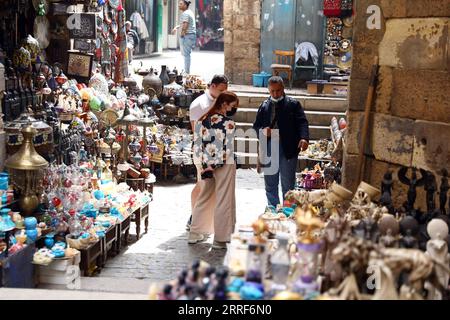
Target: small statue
x=409, y=228
x=437, y=249
x=443, y=191
x=413, y=183
x=386, y=193
x=431, y=188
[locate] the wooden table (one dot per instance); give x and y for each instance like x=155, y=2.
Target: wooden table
x=139, y=215
x=90, y=255
x=107, y=243
x=122, y=231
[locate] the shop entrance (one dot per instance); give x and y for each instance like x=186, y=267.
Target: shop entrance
x=209, y=14
x=144, y=16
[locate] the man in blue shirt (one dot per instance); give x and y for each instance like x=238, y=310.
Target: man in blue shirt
x=188, y=33
x=282, y=124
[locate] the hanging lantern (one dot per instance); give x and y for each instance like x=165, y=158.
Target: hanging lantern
x=61, y=78
x=26, y=170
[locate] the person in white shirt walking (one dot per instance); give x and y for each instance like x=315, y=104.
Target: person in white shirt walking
x=188, y=33
x=198, y=108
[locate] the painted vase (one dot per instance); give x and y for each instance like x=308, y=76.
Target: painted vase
x=30, y=223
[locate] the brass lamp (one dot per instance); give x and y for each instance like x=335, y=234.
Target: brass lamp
x=25, y=168
x=126, y=120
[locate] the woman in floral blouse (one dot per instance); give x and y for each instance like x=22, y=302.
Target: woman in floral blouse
x=214, y=144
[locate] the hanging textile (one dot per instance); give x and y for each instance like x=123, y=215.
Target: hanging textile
x=139, y=24
x=332, y=8
x=121, y=70
x=346, y=8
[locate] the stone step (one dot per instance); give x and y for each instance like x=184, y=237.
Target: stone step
x=312, y=103
x=321, y=118
x=315, y=132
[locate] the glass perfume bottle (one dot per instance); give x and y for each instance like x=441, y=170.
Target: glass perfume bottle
x=280, y=263
x=75, y=227
x=256, y=265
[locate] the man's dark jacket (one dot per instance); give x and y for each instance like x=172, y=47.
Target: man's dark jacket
x=292, y=123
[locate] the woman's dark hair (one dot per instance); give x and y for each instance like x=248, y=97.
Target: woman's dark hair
x=226, y=96
x=187, y=2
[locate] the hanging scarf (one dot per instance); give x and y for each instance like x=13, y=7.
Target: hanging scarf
x=121, y=70
x=346, y=8
x=332, y=8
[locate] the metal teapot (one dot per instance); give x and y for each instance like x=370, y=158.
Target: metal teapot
x=170, y=108
x=152, y=81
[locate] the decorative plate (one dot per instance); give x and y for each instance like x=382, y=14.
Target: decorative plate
x=348, y=21
x=41, y=31
x=109, y=117
x=345, y=45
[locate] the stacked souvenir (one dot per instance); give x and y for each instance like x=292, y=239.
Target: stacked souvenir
x=311, y=179
x=337, y=244
x=321, y=149
x=80, y=207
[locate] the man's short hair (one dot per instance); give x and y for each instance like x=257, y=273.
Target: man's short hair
x=218, y=79
x=276, y=79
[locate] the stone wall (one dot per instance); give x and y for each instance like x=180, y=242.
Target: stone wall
x=410, y=116
x=242, y=39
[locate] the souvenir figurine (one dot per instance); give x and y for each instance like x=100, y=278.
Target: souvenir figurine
x=443, y=191
x=413, y=183
x=430, y=187
x=409, y=227
x=386, y=192
x=437, y=249
x=389, y=229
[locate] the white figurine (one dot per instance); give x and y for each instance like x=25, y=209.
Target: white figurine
x=437, y=249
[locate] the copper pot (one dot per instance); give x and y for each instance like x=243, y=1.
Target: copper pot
x=152, y=81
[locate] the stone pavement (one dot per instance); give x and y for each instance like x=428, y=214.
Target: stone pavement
x=46, y=294
x=161, y=253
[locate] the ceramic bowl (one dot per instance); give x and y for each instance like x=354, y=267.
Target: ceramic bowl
x=339, y=193
x=370, y=190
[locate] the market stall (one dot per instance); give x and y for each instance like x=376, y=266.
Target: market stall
x=84, y=143
x=330, y=244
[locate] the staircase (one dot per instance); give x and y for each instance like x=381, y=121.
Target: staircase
x=318, y=109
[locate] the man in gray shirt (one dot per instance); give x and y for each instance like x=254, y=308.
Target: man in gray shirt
x=188, y=34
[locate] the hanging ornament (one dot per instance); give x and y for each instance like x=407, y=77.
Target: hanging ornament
x=41, y=10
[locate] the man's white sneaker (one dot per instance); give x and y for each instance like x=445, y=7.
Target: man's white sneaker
x=195, y=237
